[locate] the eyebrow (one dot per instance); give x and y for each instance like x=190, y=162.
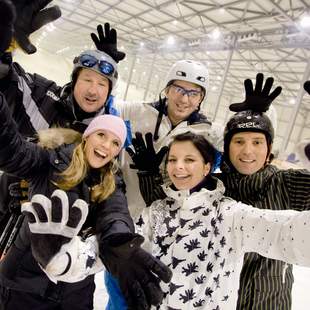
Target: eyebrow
x=198, y=89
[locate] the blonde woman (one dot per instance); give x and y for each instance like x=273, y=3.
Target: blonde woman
x=84, y=167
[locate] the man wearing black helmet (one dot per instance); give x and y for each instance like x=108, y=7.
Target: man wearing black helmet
x=249, y=177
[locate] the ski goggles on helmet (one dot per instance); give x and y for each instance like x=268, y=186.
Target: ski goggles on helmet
x=89, y=61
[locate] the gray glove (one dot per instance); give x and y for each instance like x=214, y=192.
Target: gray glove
x=53, y=223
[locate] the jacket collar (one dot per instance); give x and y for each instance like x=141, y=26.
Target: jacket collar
x=201, y=189
x=244, y=187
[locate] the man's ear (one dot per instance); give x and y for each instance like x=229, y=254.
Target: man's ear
x=270, y=155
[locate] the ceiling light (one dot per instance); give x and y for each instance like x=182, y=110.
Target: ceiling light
x=170, y=40
x=305, y=21
x=216, y=33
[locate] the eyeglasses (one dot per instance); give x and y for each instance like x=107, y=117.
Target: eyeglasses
x=89, y=61
x=192, y=94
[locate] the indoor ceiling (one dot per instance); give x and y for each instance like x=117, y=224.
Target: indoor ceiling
x=252, y=36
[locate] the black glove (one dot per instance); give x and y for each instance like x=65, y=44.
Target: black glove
x=258, y=99
x=144, y=156
x=107, y=42
x=53, y=223
x=138, y=273
x=307, y=87
x=31, y=16
x=19, y=194
x=7, y=19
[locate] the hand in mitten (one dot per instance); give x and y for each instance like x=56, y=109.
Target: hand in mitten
x=53, y=223
x=7, y=19
x=137, y=271
x=31, y=16
x=258, y=99
x=106, y=41
x=307, y=87
x=144, y=156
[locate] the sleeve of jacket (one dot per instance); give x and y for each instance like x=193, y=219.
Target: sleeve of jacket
x=113, y=217
x=296, y=184
x=17, y=156
x=280, y=235
x=39, y=98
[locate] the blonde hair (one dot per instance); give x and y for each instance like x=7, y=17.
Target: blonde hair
x=78, y=168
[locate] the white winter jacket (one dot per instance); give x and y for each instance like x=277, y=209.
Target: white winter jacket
x=203, y=236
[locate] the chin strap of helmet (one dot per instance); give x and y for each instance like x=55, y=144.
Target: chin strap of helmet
x=162, y=104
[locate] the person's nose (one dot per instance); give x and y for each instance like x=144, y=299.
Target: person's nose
x=247, y=148
x=92, y=89
x=179, y=165
x=106, y=144
x=184, y=97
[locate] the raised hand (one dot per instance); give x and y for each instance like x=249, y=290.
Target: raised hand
x=257, y=99
x=144, y=156
x=53, y=223
x=106, y=41
x=31, y=16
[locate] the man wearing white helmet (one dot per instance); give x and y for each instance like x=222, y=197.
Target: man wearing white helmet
x=178, y=107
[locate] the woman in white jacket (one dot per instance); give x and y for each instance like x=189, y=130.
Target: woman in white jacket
x=203, y=235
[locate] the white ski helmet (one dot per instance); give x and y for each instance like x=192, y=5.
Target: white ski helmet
x=190, y=71
x=98, y=61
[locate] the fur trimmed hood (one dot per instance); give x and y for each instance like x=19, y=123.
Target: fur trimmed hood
x=52, y=138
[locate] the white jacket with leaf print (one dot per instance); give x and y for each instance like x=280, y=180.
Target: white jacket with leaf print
x=203, y=236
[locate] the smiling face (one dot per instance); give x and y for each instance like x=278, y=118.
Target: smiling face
x=101, y=147
x=181, y=105
x=185, y=165
x=91, y=90
x=248, y=151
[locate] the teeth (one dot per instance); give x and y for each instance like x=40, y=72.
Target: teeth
x=247, y=160
x=181, y=175
x=101, y=153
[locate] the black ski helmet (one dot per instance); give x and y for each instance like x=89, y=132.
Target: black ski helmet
x=248, y=121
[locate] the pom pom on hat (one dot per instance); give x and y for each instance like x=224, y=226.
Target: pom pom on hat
x=112, y=123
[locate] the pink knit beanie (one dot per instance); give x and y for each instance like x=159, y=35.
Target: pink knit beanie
x=112, y=123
